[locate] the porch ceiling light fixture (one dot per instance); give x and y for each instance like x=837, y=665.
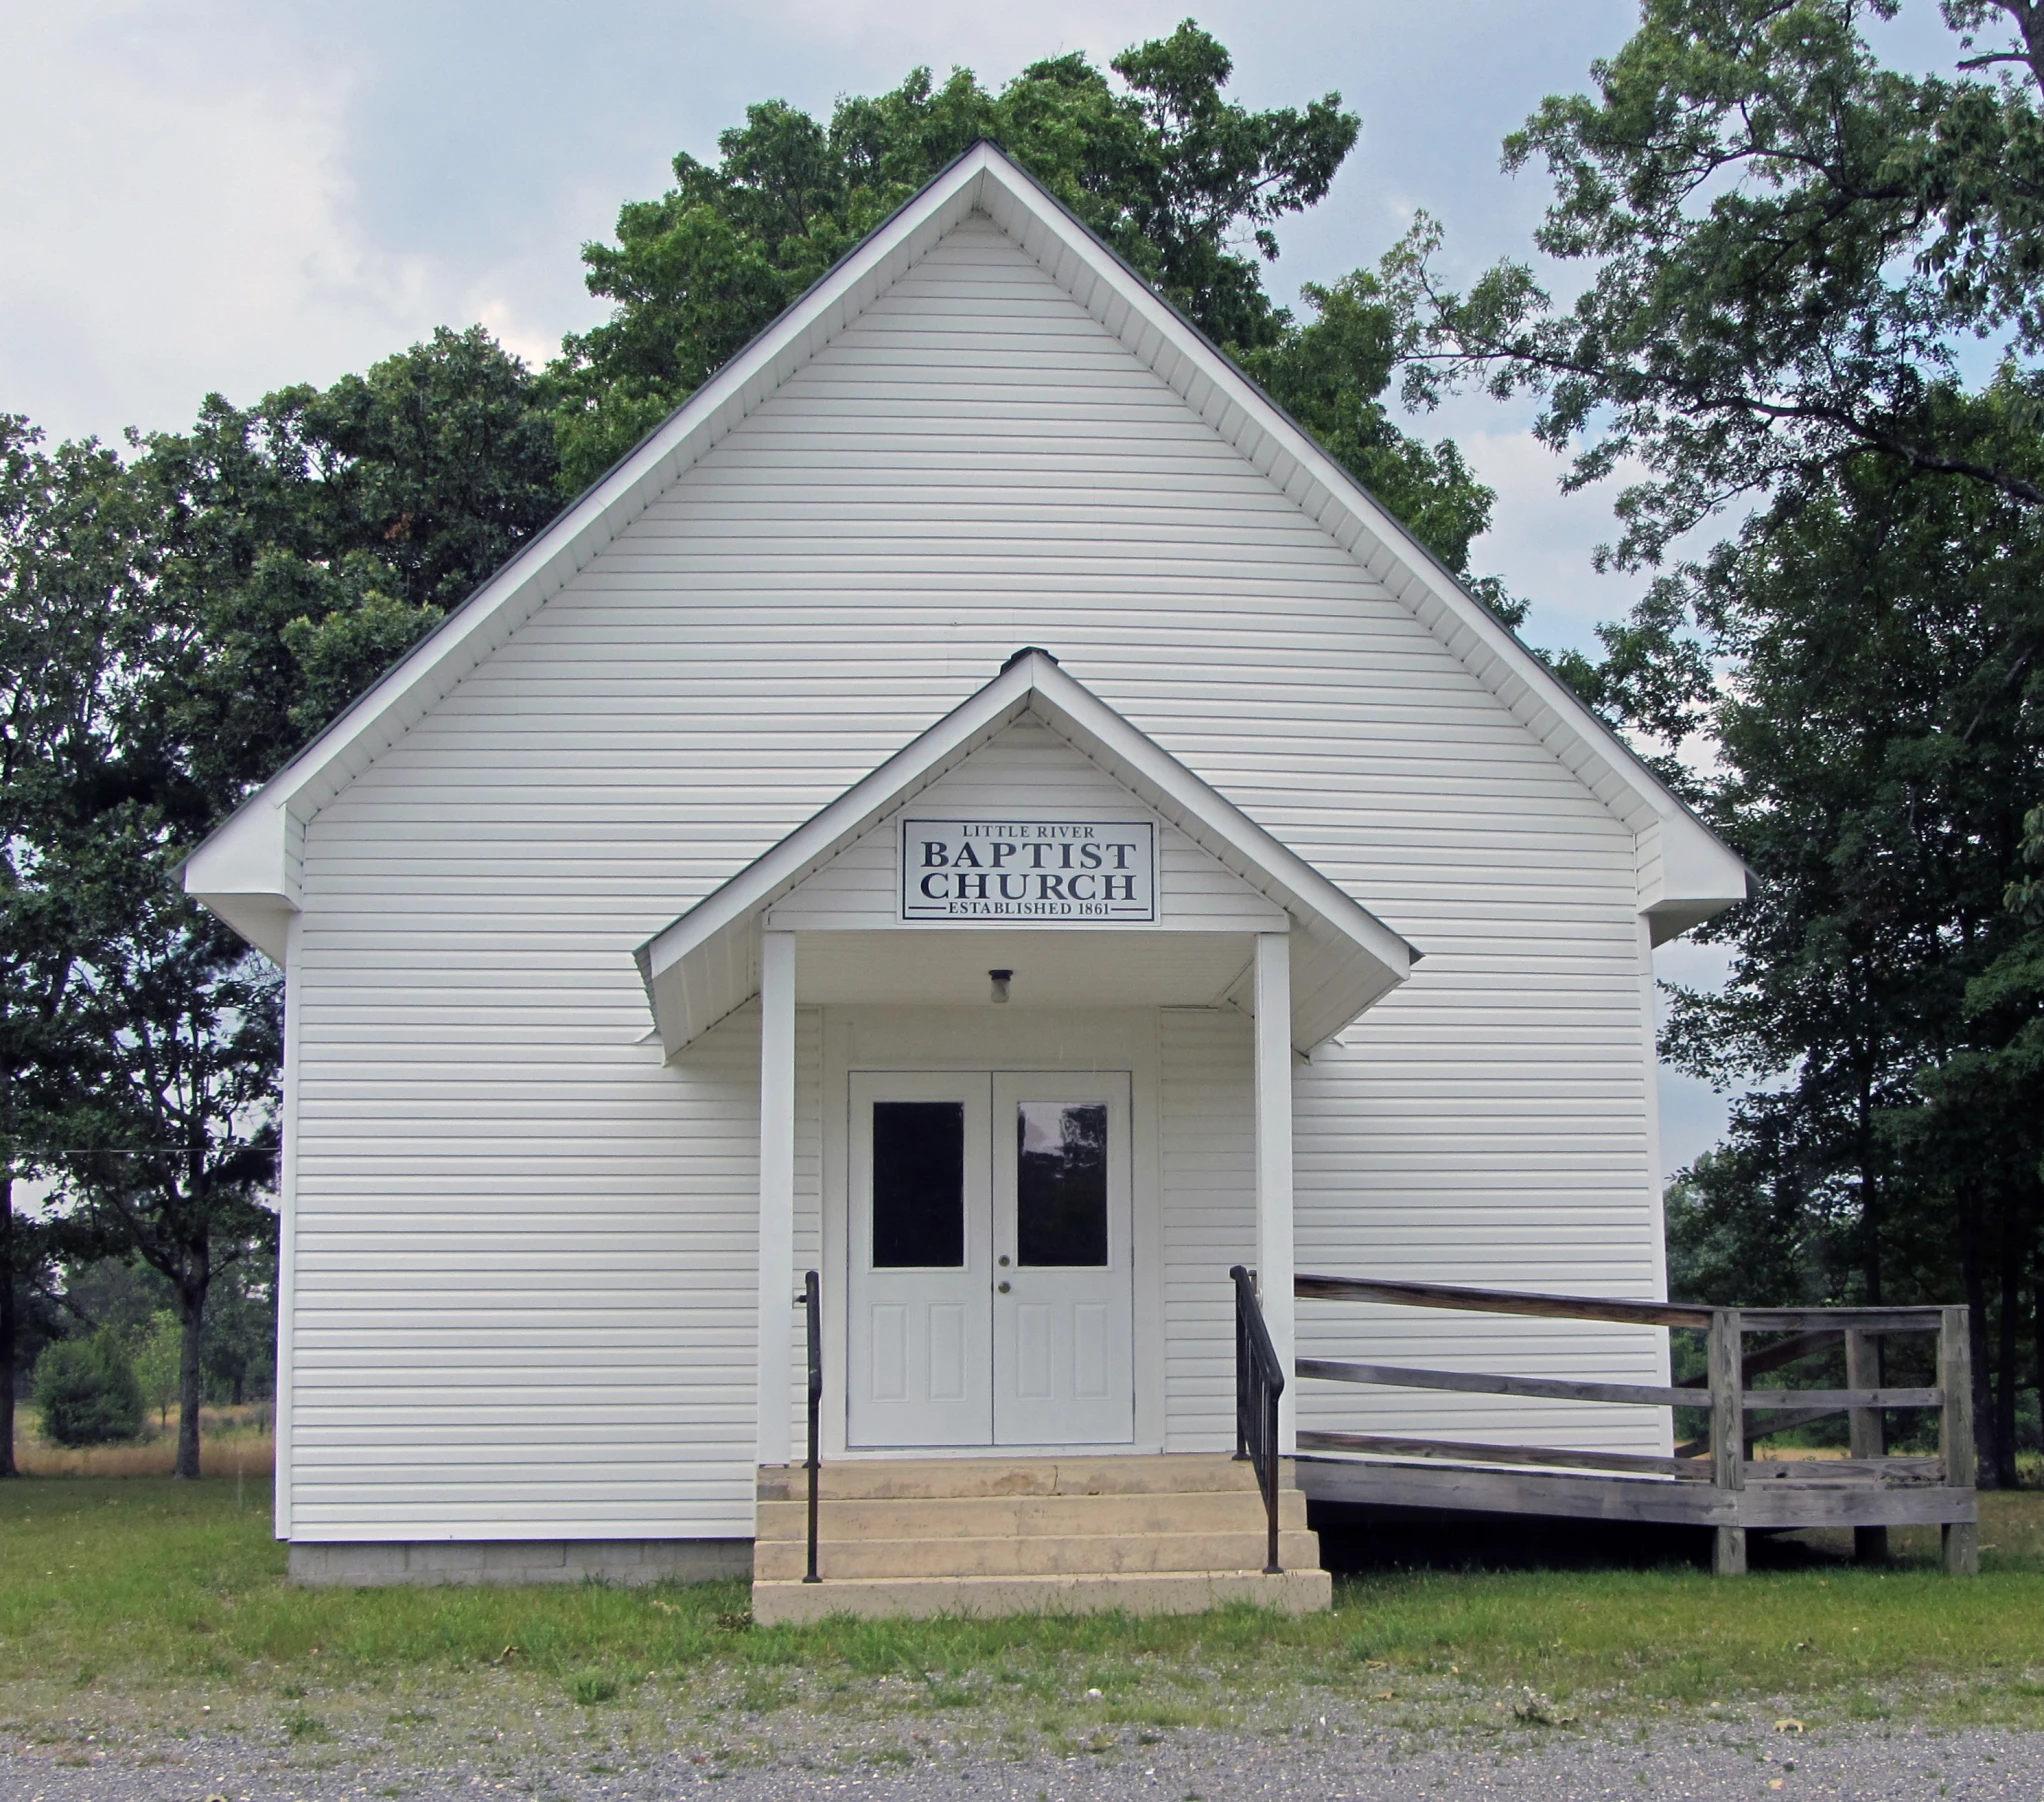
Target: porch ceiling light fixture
x=1001, y=979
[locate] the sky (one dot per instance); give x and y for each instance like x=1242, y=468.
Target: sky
x=232, y=195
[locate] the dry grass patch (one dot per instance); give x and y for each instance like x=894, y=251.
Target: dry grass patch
x=235, y=1442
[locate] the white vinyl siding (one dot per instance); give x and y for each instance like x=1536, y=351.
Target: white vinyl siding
x=1206, y=1121
x=524, y=1245
x=495, y=1332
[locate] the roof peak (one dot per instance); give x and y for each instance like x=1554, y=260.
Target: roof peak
x=1027, y=651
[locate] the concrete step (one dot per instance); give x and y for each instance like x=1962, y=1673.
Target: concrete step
x=889, y=1479
x=990, y=1517
x=1002, y=1535
x=1130, y=1592
x=1073, y=1555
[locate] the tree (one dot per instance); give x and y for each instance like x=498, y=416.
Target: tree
x=1875, y=743
x=173, y=1152
x=280, y=558
x=1166, y=170
x=1332, y=373
x=157, y=1359
x=305, y=543
x=1789, y=245
x=68, y=541
x=1788, y=248
x=1177, y=178
x=85, y=890
x=1985, y=1101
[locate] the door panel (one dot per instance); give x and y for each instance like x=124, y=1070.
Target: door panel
x=920, y=1306
x=1091, y=1372
x=1063, y=1367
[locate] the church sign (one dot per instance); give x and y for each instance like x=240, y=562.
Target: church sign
x=1047, y=871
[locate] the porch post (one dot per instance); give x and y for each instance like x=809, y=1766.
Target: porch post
x=1274, y=1162
x=776, y=1191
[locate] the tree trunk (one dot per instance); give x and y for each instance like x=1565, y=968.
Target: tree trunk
x=2037, y=1324
x=2011, y=1337
x=10, y=1325
x=1973, y=1267
x=190, y=1377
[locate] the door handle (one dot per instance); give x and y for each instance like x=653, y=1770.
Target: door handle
x=1002, y=1287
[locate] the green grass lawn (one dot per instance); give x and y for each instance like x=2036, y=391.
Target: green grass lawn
x=142, y=1588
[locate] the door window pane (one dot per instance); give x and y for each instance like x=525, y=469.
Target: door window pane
x=1061, y=1183
x=918, y=1185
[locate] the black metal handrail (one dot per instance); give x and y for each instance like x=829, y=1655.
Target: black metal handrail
x=812, y=1307
x=1259, y=1381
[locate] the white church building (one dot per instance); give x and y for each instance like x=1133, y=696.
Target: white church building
x=980, y=807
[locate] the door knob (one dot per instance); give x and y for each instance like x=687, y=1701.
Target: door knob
x=1003, y=1287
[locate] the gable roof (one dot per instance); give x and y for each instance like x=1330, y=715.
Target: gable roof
x=248, y=870
x=706, y=963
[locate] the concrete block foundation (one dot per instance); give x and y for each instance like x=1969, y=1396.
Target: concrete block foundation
x=621, y=1561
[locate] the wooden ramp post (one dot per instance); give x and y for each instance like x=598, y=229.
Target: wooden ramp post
x=1727, y=1431
x=1869, y=1438
x=1955, y=1436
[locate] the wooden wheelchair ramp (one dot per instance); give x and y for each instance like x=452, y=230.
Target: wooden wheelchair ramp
x=1715, y=1482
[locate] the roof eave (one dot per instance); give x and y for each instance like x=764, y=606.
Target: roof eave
x=538, y=569
x=1372, y=516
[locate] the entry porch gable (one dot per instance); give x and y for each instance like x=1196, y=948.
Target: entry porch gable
x=1218, y=869
x=1032, y=774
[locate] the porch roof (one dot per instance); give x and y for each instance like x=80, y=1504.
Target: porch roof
x=707, y=962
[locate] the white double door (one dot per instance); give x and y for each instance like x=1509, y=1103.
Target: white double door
x=989, y=1280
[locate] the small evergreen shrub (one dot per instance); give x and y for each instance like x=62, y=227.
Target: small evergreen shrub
x=86, y=1392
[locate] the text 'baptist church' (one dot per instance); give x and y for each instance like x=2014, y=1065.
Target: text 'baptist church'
x=1044, y=870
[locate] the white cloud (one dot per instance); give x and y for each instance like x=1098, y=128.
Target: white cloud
x=994, y=40
x=516, y=334
x=171, y=211
x=1543, y=542
x=184, y=214
x=231, y=194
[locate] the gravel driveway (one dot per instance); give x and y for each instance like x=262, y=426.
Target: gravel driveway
x=1717, y=1759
